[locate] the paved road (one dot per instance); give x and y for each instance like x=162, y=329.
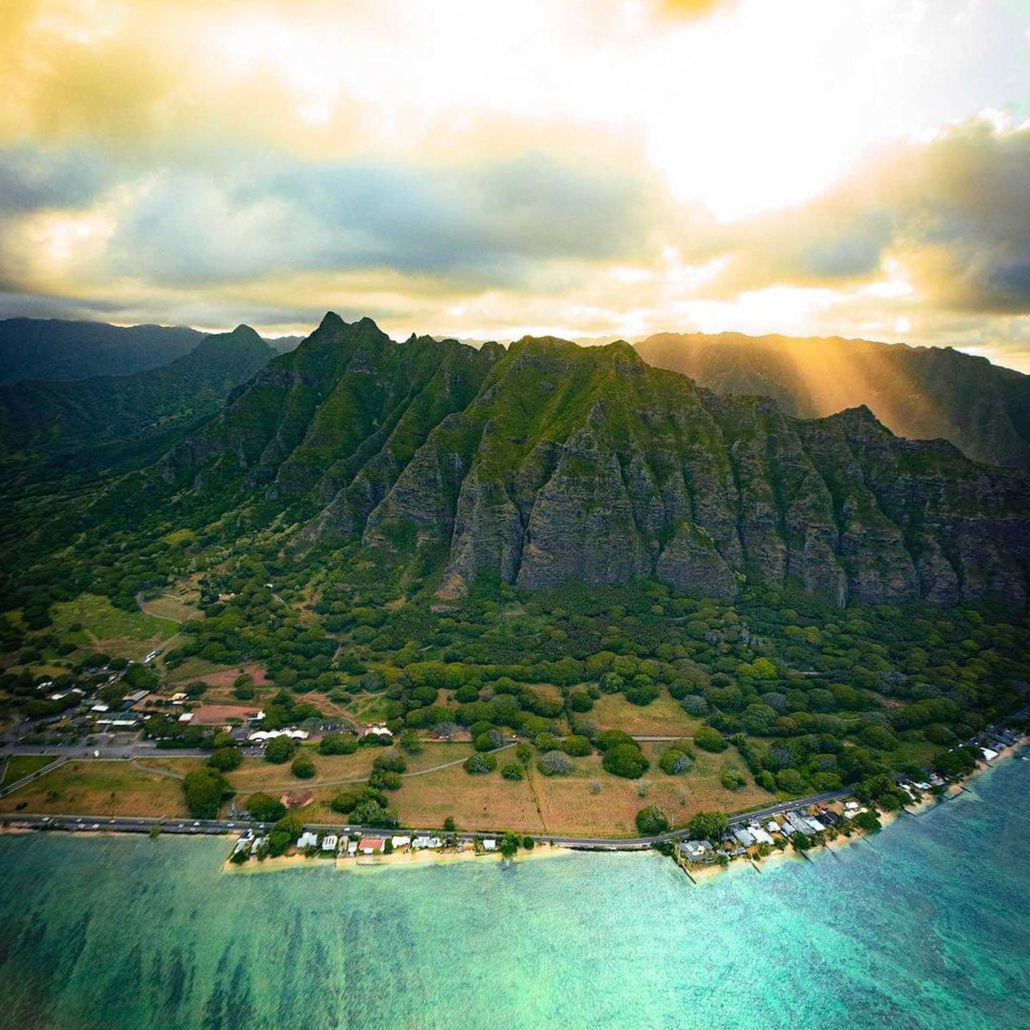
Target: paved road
x=216, y=826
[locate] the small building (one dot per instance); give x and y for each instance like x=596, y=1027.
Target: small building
x=186, y=717
x=352, y=848
x=329, y=842
x=135, y=696
x=400, y=842
x=761, y=837
x=371, y=845
x=308, y=840
x=99, y=708
x=772, y=826
x=746, y=837
x=989, y=753
x=798, y=823
x=699, y=851
x=419, y=843
x=490, y=844
x=378, y=730
x=817, y=827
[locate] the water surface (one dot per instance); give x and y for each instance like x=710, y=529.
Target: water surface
x=925, y=927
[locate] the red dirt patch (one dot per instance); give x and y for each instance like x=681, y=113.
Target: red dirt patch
x=218, y=715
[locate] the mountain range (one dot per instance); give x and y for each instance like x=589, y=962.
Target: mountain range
x=919, y=392
x=61, y=414
x=548, y=461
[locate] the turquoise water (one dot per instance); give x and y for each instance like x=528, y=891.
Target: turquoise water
x=925, y=927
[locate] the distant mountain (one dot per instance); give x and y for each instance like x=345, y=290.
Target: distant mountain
x=923, y=393
x=53, y=415
x=283, y=344
x=37, y=348
x=548, y=462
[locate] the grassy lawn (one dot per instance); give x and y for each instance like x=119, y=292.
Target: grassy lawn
x=21, y=765
x=100, y=788
x=122, y=634
x=663, y=717
x=167, y=607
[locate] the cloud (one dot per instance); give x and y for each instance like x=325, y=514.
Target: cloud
x=953, y=213
x=243, y=219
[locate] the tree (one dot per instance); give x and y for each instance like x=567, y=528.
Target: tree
x=448, y=824
x=512, y=771
x=346, y=801
x=625, y=760
x=265, y=809
x=577, y=745
x=205, y=789
x=225, y=759
x=528, y=843
x=651, y=821
x=708, y=826
x=733, y=779
x=280, y=750
x=524, y=753
x=674, y=761
x=509, y=844
x=411, y=743
x=303, y=768
x=799, y=841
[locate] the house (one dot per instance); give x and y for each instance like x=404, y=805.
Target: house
x=400, y=842
x=186, y=717
x=988, y=753
x=308, y=840
x=798, y=823
x=490, y=845
x=698, y=851
x=135, y=696
x=761, y=837
x=817, y=827
x=177, y=699
x=371, y=845
x=745, y=837
x=352, y=848
x=99, y=708
x=378, y=730
x=420, y=842
x=772, y=826
x=263, y=736
x=329, y=842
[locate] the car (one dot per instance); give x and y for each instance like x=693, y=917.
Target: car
x=196, y=823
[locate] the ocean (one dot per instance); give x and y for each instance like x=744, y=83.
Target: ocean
x=925, y=926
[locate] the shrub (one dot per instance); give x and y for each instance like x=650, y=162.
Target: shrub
x=710, y=739
x=512, y=771
x=612, y=738
x=625, y=760
x=642, y=694
x=524, y=753
x=528, y=843
x=580, y=701
x=479, y=764
x=696, y=705
x=303, y=768
x=577, y=746
x=280, y=750
x=265, y=809
x=674, y=762
x=410, y=742
x=555, y=763
x=791, y=781
x=390, y=762
x=733, y=779
x=651, y=820
x=767, y=781
x=346, y=801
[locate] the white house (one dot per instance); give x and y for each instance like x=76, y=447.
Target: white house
x=308, y=840
x=400, y=842
x=490, y=845
x=329, y=842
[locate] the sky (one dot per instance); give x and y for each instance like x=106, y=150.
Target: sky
x=591, y=169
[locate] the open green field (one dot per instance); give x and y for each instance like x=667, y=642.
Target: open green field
x=663, y=717
x=120, y=633
x=109, y=788
x=18, y=766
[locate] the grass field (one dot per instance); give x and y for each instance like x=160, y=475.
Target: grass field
x=589, y=802
x=21, y=765
x=663, y=717
x=100, y=788
x=120, y=633
x=168, y=607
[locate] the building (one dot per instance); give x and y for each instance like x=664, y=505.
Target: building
x=746, y=837
x=400, y=842
x=371, y=845
x=263, y=736
x=329, y=842
x=186, y=717
x=798, y=823
x=699, y=851
x=308, y=840
x=490, y=845
x=761, y=837
x=379, y=730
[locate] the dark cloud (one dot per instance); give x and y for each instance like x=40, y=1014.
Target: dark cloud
x=485, y=225
x=955, y=212
x=31, y=179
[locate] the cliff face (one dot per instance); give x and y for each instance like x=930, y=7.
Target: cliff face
x=919, y=392
x=551, y=462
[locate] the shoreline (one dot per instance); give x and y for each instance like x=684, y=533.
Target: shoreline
x=701, y=874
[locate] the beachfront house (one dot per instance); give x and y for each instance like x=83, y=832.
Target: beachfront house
x=745, y=837
x=400, y=842
x=490, y=844
x=699, y=851
x=798, y=823
x=329, y=842
x=371, y=845
x=760, y=835
x=307, y=840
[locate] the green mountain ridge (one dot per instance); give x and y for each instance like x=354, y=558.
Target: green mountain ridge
x=550, y=462
x=56, y=415
x=918, y=392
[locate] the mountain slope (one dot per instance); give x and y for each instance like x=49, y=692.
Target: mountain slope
x=918, y=392
x=58, y=414
x=551, y=462
x=43, y=348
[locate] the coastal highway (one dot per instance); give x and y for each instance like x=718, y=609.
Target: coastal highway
x=213, y=827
